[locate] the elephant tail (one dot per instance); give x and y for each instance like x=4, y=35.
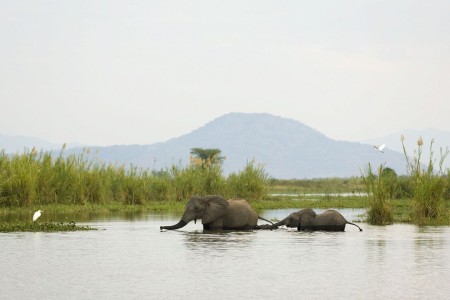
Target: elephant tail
x=264, y=226
x=261, y=218
x=360, y=229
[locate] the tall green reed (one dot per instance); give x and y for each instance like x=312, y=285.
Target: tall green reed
x=379, y=193
x=19, y=187
x=32, y=178
x=197, y=180
x=428, y=186
x=250, y=183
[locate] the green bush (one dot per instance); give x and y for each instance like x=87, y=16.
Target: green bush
x=19, y=179
x=379, y=192
x=428, y=186
x=37, y=179
x=250, y=183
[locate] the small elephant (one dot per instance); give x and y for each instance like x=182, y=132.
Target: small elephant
x=307, y=219
x=217, y=213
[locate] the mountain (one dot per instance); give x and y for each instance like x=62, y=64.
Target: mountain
x=17, y=144
x=286, y=148
x=13, y=144
x=411, y=136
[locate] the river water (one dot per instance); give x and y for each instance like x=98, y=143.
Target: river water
x=133, y=259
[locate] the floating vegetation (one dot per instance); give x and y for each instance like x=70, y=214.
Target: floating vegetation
x=42, y=227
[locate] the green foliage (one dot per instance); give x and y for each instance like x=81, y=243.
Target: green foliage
x=206, y=157
x=318, y=185
x=34, y=179
x=379, y=190
x=18, y=186
x=196, y=180
x=391, y=182
x=428, y=187
x=404, y=187
x=159, y=187
x=251, y=183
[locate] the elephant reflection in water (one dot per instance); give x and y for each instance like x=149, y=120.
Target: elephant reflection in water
x=217, y=213
x=307, y=220
x=204, y=242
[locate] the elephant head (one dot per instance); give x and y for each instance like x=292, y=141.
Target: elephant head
x=207, y=208
x=303, y=217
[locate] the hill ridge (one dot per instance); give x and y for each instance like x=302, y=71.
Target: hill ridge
x=286, y=148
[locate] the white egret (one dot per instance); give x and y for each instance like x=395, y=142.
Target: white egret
x=37, y=215
x=379, y=148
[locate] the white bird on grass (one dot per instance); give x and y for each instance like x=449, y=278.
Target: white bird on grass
x=37, y=215
x=379, y=148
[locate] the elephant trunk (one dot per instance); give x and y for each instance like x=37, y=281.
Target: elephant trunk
x=179, y=225
x=261, y=218
x=280, y=223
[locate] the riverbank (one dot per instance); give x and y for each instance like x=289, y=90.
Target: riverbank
x=75, y=185
x=401, y=207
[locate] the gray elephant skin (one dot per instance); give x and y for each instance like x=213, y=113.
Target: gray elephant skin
x=217, y=213
x=307, y=220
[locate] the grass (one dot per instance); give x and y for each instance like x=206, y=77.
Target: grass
x=51, y=209
x=319, y=185
x=75, y=184
x=379, y=195
x=274, y=202
x=429, y=187
x=35, y=179
x=401, y=207
x=426, y=188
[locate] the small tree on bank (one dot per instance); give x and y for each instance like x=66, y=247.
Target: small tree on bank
x=206, y=157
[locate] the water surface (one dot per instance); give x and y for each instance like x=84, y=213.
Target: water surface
x=132, y=259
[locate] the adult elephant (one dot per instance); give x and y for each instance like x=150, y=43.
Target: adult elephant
x=217, y=213
x=307, y=219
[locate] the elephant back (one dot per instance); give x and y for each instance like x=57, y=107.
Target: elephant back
x=240, y=214
x=329, y=217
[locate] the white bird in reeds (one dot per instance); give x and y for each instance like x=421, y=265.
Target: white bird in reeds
x=37, y=215
x=379, y=148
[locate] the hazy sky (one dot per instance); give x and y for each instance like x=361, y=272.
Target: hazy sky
x=140, y=72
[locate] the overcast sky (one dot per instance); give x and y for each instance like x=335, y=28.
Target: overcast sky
x=140, y=72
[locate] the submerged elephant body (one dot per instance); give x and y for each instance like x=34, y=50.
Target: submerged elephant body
x=217, y=213
x=307, y=220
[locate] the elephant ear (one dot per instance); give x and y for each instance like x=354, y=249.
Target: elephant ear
x=306, y=218
x=216, y=207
